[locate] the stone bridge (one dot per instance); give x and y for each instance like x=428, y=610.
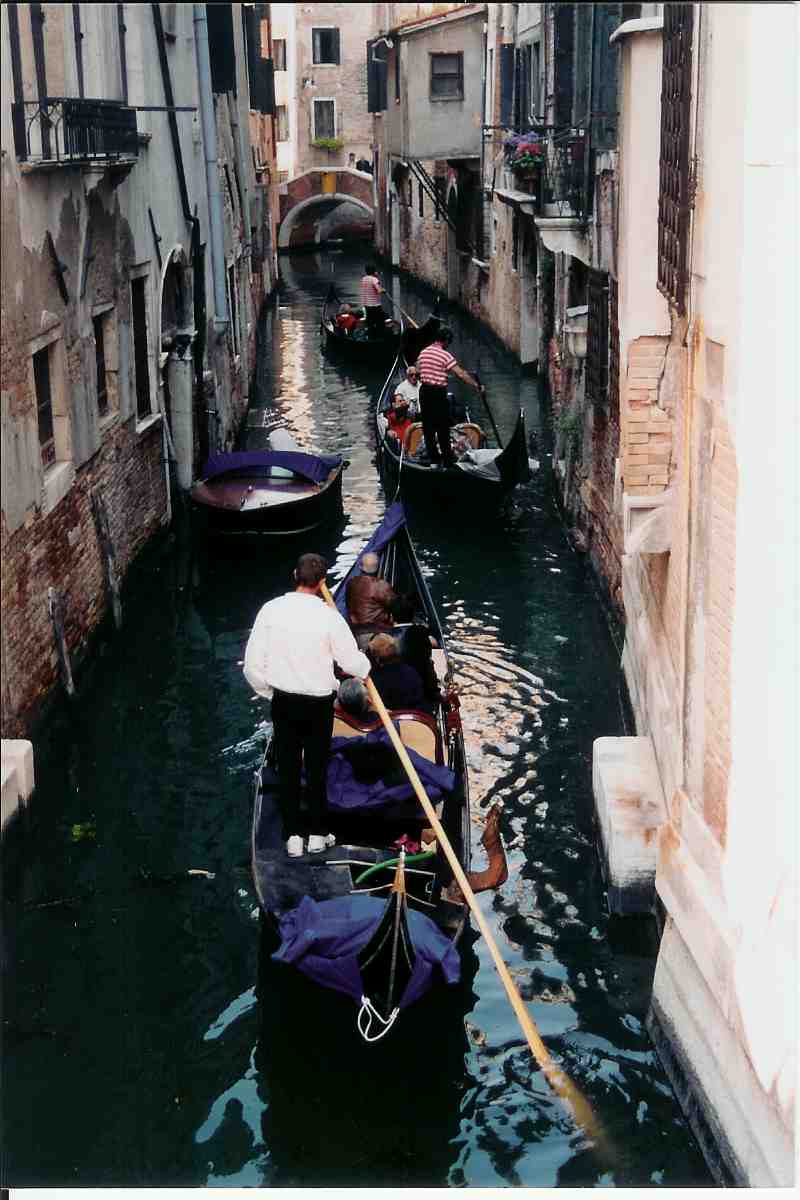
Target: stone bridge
x=318, y=204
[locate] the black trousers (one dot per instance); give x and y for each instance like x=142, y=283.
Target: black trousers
x=435, y=414
x=303, y=726
x=376, y=320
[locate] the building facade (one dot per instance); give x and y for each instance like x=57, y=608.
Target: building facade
x=129, y=297
x=625, y=151
x=426, y=73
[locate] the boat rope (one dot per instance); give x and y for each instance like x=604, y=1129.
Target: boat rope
x=392, y=862
x=367, y=1013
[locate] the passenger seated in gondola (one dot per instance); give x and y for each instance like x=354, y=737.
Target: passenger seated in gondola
x=415, y=645
x=353, y=698
x=409, y=389
x=399, y=684
x=398, y=418
x=368, y=599
x=346, y=320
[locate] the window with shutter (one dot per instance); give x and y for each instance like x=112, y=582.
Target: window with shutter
x=377, y=69
x=324, y=118
x=44, y=406
x=506, y=85
x=673, y=196
x=281, y=123
x=447, y=77
x=221, y=44
x=582, y=64
x=279, y=53
x=597, y=338
x=325, y=46
x=564, y=38
x=605, y=76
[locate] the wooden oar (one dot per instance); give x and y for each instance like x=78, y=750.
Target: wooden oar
x=561, y=1084
x=397, y=307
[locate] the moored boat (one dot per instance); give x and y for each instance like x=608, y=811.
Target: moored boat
x=281, y=490
x=378, y=916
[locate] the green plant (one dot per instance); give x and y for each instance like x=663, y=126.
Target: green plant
x=567, y=425
x=328, y=143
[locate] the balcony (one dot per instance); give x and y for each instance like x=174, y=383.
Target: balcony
x=64, y=131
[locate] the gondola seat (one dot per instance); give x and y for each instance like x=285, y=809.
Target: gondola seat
x=413, y=438
x=472, y=432
x=418, y=730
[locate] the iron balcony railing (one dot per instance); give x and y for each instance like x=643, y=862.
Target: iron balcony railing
x=62, y=129
x=553, y=165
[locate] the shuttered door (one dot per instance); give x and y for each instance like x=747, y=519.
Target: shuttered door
x=507, y=68
x=377, y=89
x=605, y=77
x=564, y=36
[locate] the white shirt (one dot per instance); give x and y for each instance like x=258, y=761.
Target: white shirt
x=294, y=643
x=409, y=391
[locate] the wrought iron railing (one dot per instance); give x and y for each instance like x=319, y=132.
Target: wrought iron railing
x=556, y=171
x=68, y=130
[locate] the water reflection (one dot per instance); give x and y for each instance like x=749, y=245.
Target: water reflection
x=131, y=1026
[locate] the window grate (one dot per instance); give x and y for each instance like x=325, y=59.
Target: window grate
x=100, y=362
x=613, y=343
x=674, y=191
x=597, y=338
x=44, y=406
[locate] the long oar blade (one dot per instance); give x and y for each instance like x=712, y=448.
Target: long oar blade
x=560, y=1082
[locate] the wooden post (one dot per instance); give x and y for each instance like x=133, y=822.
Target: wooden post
x=108, y=554
x=55, y=605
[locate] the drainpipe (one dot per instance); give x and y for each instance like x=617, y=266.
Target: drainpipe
x=208, y=120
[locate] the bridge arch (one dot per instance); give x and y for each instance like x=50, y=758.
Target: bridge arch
x=326, y=190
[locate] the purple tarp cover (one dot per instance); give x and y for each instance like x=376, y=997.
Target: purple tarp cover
x=393, y=519
x=315, y=467
x=323, y=939
x=346, y=794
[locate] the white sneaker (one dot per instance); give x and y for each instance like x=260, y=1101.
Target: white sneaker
x=294, y=846
x=320, y=841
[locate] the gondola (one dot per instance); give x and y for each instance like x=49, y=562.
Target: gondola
x=356, y=345
x=281, y=490
x=377, y=917
x=481, y=477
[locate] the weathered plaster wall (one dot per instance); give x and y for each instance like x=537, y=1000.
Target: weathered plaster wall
x=106, y=227
x=346, y=83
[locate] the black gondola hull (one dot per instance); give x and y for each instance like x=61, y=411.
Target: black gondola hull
x=304, y=509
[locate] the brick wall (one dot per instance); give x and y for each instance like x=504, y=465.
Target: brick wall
x=646, y=427
x=61, y=550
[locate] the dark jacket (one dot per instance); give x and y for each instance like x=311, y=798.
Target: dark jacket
x=400, y=686
x=368, y=599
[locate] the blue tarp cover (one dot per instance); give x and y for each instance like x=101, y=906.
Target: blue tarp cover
x=347, y=794
x=323, y=939
x=393, y=519
x=315, y=467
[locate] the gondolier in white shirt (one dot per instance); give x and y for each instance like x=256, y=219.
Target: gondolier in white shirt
x=434, y=364
x=371, y=292
x=294, y=643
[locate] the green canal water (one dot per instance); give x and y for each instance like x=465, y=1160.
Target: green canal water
x=133, y=1048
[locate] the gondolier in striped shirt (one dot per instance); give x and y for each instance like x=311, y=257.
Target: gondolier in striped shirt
x=435, y=363
x=371, y=292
